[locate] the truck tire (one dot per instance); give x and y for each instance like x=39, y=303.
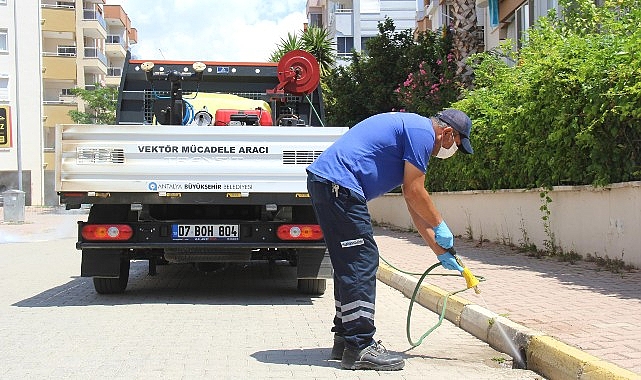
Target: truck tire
x=312, y=286
x=115, y=285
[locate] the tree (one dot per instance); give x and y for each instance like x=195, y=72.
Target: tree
x=101, y=105
x=369, y=84
x=314, y=40
x=292, y=42
x=466, y=43
x=318, y=42
x=435, y=85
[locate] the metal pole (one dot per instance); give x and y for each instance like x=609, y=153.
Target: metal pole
x=17, y=113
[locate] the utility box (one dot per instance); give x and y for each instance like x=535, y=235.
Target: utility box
x=13, y=206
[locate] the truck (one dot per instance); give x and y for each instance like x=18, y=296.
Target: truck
x=204, y=165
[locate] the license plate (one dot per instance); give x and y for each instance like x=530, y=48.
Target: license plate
x=204, y=231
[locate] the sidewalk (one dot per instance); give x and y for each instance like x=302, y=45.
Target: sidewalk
x=42, y=224
x=594, y=310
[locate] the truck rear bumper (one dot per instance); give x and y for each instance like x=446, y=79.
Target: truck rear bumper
x=159, y=235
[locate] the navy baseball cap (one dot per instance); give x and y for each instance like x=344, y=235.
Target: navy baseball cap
x=461, y=123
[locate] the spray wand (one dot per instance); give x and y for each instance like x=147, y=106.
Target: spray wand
x=471, y=282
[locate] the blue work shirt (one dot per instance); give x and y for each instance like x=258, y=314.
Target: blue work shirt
x=370, y=157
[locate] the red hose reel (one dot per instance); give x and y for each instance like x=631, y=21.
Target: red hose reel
x=298, y=73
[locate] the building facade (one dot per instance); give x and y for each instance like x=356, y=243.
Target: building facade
x=21, y=135
x=497, y=20
x=351, y=23
x=84, y=42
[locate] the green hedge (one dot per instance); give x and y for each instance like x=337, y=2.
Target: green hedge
x=567, y=111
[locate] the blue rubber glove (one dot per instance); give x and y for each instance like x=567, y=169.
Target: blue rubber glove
x=449, y=261
x=443, y=236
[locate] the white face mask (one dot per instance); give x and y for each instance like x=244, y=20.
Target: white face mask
x=444, y=153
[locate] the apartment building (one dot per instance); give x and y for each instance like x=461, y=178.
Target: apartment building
x=84, y=42
x=20, y=99
x=121, y=35
x=497, y=20
x=352, y=22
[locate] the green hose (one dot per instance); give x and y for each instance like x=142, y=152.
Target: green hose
x=413, y=299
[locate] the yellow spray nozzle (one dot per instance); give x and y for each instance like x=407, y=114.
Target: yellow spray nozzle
x=471, y=280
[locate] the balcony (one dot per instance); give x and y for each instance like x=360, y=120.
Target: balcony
x=95, y=61
x=58, y=21
x=57, y=112
x=58, y=66
x=114, y=72
x=133, y=36
x=113, y=76
x=115, y=47
x=116, y=16
x=93, y=24
x=344, y=22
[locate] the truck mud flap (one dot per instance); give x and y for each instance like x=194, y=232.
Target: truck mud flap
x=100, y=263
x=314, y=264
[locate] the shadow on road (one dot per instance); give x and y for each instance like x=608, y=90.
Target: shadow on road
x=317, y=357
x=251, y=284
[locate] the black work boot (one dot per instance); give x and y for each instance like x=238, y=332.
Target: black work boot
x=338, y=348
x=373, y=357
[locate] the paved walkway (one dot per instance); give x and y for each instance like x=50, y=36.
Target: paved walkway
x=592, y=309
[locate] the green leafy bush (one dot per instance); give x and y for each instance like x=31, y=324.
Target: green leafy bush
x=369, y=84
x=566, y=112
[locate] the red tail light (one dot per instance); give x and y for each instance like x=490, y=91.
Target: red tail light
x=107, y=232
x=299, y=232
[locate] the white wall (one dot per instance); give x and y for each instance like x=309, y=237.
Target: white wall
x=583, y=219
x=25, y=90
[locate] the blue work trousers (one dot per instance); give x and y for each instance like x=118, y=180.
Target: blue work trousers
x=346, y=224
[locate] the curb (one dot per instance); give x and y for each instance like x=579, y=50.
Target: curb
x=538, y=352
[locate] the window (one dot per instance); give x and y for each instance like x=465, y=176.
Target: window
x=113, y=39
x=66, y=92
x=67, y=51
x=522, y=19
x=344, y=45
x=364, y=44
x=4, y=88
x=3, y=41
x=49, y=139
x=114, y=71
x=447, y=15
x=316, y=19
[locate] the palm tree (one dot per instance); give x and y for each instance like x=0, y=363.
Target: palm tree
x=318, y=42
x=292, y=42
x=466, y=41
x=314, y=40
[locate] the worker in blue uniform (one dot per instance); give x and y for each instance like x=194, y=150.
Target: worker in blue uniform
x=373, y=157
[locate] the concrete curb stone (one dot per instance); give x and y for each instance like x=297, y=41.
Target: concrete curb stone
x=543, y=354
